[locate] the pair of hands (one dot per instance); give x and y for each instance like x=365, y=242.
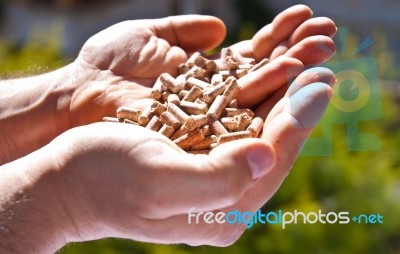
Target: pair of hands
x=149, y=184
x=126, y=181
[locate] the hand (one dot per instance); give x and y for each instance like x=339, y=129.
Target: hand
x=117, y=66
x=120, y=180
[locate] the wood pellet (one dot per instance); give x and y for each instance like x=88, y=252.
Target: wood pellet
x=198, y=110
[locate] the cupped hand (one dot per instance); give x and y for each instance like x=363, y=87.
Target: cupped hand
x=117, y=66
x=122, y=180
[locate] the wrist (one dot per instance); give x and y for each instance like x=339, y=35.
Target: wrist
x=62, y=88
x=34, y=215
x=33, y=111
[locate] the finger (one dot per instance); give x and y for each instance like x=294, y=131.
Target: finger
x=301, y=113
x=205, y=182
x=311, y=27
x=279, y=50
x=244, y=48
x=313, y=75
x=287, y=133
x=313, y=50
x=257, y=86
x=279, y=30
x=190, y=32
x=272, y=104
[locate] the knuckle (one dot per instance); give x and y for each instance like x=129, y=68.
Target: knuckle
x=145, y=206
x=228, y=235
x=222, y=236
x=150, y=203
x=231, y=190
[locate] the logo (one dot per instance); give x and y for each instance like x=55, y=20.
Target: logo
x=281, y=218
x=356, y=99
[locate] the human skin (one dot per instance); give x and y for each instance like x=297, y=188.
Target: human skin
x=62, y=183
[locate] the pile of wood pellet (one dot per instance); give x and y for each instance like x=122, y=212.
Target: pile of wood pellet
x=198, y=109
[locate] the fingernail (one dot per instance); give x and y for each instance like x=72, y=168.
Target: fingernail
x=260, y=162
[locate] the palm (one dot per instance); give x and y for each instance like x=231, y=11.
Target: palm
x=122, y=72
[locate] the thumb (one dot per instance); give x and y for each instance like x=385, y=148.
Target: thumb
x=205, y=182
x=190, y=32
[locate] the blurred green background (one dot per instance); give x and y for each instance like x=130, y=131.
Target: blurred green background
x=345, y=179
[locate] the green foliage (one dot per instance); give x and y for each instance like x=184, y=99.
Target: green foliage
x=41, y=54
x=253, y=16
